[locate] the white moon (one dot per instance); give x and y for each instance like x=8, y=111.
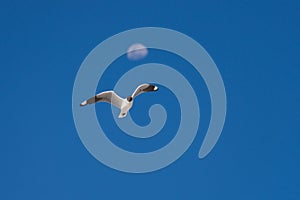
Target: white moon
x=137, y=52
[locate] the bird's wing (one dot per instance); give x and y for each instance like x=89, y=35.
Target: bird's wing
x=108, y=96
x=144, y=88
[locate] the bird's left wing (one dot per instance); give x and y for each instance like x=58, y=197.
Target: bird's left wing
x=108, y=96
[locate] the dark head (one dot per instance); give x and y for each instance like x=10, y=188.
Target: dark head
x=129, y=98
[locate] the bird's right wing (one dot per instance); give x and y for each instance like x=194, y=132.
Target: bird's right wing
x=108, y=96
x=144, y=88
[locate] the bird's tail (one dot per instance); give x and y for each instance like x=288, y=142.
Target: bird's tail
x=122, y=114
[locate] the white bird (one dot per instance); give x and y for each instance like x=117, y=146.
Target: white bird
x=123, y=104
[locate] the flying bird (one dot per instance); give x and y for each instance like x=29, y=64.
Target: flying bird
x=123, y=104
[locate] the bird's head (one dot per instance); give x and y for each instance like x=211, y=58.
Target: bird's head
x=129, y=98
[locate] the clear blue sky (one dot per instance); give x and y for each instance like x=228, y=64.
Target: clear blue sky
x=256, y=47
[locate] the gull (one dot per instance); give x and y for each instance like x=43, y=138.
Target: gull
x=123, y=104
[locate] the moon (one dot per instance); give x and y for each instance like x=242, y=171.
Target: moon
x=137, y=52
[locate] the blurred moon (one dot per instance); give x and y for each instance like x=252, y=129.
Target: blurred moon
x=137, y=52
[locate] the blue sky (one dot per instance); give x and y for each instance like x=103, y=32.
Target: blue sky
x=256, y=47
